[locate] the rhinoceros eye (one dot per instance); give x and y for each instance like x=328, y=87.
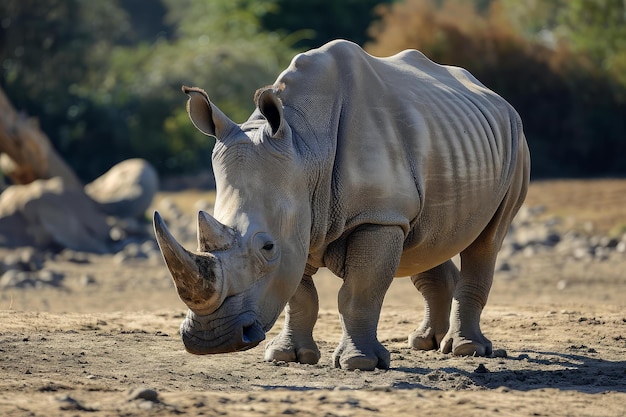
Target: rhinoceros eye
x=266, y=247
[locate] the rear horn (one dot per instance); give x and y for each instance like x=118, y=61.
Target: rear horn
x=213, y=235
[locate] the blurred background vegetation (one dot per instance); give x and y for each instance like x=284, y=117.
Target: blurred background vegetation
x=103, y=77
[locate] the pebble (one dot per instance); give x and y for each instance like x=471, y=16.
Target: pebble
x=482, y=369
x=499, y=353
x=14, y=278
x=87, y=280
x=143, y=393
x=117, y=234
x=68, y=403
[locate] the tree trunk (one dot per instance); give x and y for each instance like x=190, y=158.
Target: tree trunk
x=27, y=154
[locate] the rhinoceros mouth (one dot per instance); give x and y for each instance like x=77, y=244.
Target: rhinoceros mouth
x=204, y=335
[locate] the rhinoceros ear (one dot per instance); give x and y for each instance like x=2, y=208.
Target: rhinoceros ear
x=272, y=109
x=205, y=116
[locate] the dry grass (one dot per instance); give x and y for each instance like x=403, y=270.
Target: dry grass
x=186, y=200
x=599, y=205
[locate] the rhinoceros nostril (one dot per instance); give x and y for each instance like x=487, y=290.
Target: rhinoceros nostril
x=252, y=335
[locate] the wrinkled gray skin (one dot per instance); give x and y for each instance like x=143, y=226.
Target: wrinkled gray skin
x=371, y=167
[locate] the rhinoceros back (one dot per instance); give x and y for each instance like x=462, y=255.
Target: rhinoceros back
x=398, y=141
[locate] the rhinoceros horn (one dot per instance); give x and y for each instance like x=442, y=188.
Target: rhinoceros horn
x=213, y=235
x=197, y=276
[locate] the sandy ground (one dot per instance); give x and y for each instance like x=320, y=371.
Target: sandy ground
x=106, y=343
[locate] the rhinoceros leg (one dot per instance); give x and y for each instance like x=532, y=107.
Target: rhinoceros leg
x=464, y=336
x=371, y=259
x=437, y=286
x=295, y=342
x=478, y=261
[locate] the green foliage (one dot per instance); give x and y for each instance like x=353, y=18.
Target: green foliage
x=572, y=109
x=49, y=45
x=318, y=21
x=598, y=28
x=104, y=77
x=219, y=46
x=48, y=50
x=105, y=82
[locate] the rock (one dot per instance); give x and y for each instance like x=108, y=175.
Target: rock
x=28, y=279
x=46, y=277
x=87, y=280
x=582, y=253
x=134, y=250
x=121, y=258
x=47, y=214
x=482, y=369
x=504, y=267
x=125, y=190
x=143, y=394
x=74, y=256
x=117, y=234
x=15, y=279
x=609, y=242
x=67, y=403
x=149, y=246
x=552, y=239
x=601, y=253
x=30, y=260
x=499, y=353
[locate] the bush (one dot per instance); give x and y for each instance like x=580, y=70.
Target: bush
x=572, y=111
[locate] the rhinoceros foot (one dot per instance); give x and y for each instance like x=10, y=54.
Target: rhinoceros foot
x=426, y=337
x=457, y=344
x=287, y=348
x=369, y=356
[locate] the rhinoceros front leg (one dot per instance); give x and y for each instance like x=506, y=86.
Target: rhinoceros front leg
x=372, y=257
x=437, y=286
x=295, y=342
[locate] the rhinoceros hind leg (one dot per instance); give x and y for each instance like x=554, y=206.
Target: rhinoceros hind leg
x=437, y=286
x=295, y=342
x=371, y=259
x=478, y=261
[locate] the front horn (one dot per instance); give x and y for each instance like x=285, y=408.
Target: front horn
x=197, y=276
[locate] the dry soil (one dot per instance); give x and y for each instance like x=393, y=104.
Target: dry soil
x=106, y=342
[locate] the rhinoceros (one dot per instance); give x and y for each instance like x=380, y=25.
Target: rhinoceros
x=371, y=167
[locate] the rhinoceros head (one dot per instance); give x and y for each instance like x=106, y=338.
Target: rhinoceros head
x=252, y=254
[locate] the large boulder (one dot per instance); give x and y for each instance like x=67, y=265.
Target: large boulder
x=125, y=190
x=47, y=213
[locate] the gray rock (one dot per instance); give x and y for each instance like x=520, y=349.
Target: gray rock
x=143, y=394
x=46, y=213
x=29, y=279
x=87, y=280
x=117, y=234
x=609, y=242
x=125, y=190
x=51, y=278
x=13, y=278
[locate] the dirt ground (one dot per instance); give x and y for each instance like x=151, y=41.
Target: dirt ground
x=106, y=342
